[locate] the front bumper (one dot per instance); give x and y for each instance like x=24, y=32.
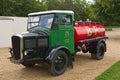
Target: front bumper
x=36, y=59
x=15, y=61
x=32, y=60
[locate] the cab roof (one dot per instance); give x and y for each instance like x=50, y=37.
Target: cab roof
x=52, y=11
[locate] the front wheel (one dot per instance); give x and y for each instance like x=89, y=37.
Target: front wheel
x=99, y=51
x=59, y=63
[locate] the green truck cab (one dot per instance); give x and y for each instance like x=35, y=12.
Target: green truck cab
x=49, y=38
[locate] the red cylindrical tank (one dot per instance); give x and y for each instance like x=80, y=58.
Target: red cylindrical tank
x=87, y=30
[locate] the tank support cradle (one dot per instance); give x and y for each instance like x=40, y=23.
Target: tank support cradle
x=92, y=39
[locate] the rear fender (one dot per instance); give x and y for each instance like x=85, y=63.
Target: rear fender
x=104, y=42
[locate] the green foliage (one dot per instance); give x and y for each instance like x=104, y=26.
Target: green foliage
x=112, y=26
x=23, y=7
x=105, y=11
x=113, y=73
x=81, y=9
x=20, y=7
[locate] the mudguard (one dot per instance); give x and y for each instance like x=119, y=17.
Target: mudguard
x=103, y=41
x=51, y=52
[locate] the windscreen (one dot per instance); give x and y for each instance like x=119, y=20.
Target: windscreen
x=44, y=21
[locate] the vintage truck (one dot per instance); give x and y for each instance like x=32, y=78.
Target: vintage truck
x=53, y=37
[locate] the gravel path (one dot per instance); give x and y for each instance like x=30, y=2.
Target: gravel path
x=84, y=67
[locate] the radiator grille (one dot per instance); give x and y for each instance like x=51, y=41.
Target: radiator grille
x=16, y=47
x=30, y=43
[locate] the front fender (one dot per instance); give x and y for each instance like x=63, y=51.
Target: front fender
x=51, y=52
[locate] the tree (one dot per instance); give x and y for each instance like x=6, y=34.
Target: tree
x=20, y=7
x=7, y=7
x=81, y=9
x=107, y=11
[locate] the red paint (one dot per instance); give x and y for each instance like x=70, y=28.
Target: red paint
x=87, y=30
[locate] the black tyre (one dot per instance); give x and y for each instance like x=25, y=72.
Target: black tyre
x=99, y=51
x=28, y=65
x=59, y=63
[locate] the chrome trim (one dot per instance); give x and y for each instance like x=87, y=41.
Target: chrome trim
x=21, y=44
x=19, y=35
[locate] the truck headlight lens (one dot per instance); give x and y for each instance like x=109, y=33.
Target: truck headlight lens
x=25, y=53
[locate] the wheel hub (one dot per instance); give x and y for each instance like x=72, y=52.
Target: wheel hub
x=59, y=62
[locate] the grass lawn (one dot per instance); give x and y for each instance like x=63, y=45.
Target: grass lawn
x=113, y=73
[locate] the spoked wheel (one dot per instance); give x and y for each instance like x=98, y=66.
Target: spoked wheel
x=59, y=63
x=100, y=51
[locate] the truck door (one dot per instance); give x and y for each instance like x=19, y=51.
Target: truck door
x=66, y=31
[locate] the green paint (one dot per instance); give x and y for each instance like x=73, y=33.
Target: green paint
x=64, y=35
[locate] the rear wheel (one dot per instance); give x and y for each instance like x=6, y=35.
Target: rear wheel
x=99, y=51
x=59, y=63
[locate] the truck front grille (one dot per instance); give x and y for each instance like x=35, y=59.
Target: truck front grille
x=43, y=42
x=16, y=47
x=30, y=43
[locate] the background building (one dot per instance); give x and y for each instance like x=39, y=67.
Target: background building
x=10, y=26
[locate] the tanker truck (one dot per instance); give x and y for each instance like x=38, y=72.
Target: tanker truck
x=54, y=38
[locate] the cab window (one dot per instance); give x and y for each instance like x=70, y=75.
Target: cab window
x=66, y=20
